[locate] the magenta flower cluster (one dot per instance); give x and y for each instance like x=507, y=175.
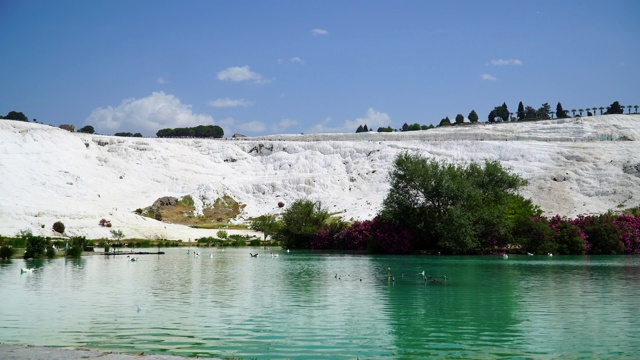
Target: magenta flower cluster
x=600, y=234
x=375, y=235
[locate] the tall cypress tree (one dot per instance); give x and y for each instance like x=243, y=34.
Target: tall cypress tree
x=520, y=111
x=560, y=114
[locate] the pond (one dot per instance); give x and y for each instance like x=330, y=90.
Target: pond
x=303, y=305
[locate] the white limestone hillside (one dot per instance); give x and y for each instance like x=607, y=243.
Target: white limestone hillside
x=574, y=166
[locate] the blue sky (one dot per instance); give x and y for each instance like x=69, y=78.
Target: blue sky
x=265, y=67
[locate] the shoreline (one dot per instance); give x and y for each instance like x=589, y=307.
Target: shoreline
x=28, y=352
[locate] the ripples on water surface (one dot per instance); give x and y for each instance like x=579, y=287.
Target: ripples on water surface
x=293, y=306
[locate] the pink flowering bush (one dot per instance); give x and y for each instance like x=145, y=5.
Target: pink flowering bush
x=376, y=236
x=568, y=238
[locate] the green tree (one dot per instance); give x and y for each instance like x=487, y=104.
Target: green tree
x=15, y=115
x=521, y=111
x=359, y=129
x=503, y=112
x=88, y=129
x=543, y=112
x=601, y=108
x=451, y=208
x=530, y=113
x=267, y=224
x=636, y=107
x=301, y=222
x=629, y=107
x=76, y=246
x=580, y=111
x=492, y=116
x=385, y=129
x=615, y=108
x=473, y=117
x=118, y=235
x=459, y=119
x=35, y=245
x=445, y=122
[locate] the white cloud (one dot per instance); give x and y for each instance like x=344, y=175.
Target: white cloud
x=505, y=62
x=293, y=60
x=374, y=119
x=488, y=77
x=283, y=125
x=146, y=115
x=226, y=102
x=319, y=32
x=241, y=73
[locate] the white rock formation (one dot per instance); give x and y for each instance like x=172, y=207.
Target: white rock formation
x=574, y=166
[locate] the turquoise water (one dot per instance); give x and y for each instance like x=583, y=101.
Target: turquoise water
x=304, y=305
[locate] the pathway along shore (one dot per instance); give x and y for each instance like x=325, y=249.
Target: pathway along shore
x=24, y=352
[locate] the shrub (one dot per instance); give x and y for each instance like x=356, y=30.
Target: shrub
x=58, y=227
x=51, y=252
x=569, y=238
x=222, y=234
x=105, y=223
x=540, y=239
x=374, y=236
x=239, y=242
x=602, y=234
x=35, y=245
x=7, y=252
x=254, y=242
x=76, y=246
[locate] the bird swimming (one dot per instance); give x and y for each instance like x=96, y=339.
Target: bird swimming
x=26, y=270
x=253, y=255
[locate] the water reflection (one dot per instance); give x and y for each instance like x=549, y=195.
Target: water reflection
x=309, y=305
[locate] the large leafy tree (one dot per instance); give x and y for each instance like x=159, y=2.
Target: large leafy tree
x=453, y=208
x=16, y=115
x=267, y=224
x=473, y=117
x=445, y=122
x=543, y=112
x=459, y=119
x=301, y=222
x=88, y=129
x=200, y=131
x=615, y=108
